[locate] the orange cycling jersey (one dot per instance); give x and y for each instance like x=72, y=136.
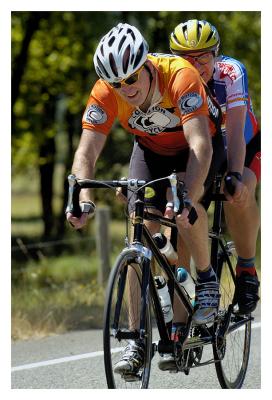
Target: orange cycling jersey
x=182, y=96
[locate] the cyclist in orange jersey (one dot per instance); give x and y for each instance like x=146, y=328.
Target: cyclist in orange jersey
x=162, y=100
x=198, y=42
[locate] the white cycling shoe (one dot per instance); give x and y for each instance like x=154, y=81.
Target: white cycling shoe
x=132, y=359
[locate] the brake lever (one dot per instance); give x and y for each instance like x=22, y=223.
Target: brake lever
x=73, y=206
x=178, y=192
x=173, y=181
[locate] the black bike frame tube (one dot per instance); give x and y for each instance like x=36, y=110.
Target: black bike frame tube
x=162, y=328
x=161, y=260
x=162, y=220
x=144, y=295
x=138, y=219
x=226, y=258
x=121, y=287
x=216, y=228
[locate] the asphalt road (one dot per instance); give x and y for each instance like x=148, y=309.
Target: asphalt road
x=75, y=361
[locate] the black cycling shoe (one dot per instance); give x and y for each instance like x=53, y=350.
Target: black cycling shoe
x=246, y=292
x=132, y=359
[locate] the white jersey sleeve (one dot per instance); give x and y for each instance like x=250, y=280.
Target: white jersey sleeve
x=230, y=77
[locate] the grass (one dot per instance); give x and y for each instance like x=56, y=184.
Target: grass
x=43, y=311
x=57, y=294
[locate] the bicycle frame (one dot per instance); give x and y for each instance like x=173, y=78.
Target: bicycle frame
x=144, y=254
x=165, y=344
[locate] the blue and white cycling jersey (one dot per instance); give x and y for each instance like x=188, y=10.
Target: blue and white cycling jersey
x=230, y=85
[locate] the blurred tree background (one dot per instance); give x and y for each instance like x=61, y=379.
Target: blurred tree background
x=52, y=75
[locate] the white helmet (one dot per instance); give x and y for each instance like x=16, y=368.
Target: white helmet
x=120, y=53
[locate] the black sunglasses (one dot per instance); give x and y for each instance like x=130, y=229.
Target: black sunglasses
x=129, y=81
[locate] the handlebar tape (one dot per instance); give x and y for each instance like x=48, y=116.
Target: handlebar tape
x=76, y=210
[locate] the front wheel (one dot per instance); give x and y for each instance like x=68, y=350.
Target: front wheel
x=231, y=352
x=122, y=321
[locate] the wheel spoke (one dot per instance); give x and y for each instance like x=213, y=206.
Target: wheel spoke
x=234, y=353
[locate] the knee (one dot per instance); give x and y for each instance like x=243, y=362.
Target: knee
x=250, y=181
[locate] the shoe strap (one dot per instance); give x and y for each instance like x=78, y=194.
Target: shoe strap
x=207, y=294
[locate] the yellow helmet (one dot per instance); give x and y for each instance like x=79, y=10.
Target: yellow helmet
x=193, y=36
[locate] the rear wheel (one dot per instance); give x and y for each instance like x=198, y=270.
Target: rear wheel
x=121, y=321
x=231, y=352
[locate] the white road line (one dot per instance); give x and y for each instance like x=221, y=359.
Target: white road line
x=255, y=325
x=63, y=360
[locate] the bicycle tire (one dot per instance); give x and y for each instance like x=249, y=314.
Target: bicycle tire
x=232, y=354
x=113, y=346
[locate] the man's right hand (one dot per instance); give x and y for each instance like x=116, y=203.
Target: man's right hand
x=77, y=223
x=80, y=222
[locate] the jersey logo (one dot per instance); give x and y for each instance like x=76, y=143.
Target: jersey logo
x=227, y=71
x=95, y=115
x=214, y=111
x=155, y=121
x=190, y=102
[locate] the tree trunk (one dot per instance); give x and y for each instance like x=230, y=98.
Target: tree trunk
x=47, y=153
x=20, y=61
x=70, y=119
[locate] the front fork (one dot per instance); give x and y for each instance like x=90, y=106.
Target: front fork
x=144, y=259
x=144, y=295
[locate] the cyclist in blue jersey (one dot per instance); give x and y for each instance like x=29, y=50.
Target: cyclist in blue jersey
x=198, y=42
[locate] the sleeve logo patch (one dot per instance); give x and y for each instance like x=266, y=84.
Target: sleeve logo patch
x=190, y=102
x=227, y=71
x=95, y=115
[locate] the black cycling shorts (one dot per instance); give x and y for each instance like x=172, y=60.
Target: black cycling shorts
x=147, y=165
x=253, y=155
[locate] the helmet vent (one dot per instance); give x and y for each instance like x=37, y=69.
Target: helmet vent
x=185, y=32
x=113, y=65
x=111, y=41
x=121, y=43
x=130, y=31
x=138, y=56
x=109, y=35
x=101, y=67
x=175, y=38
x=210, y=36
x=126, y=59
x=199, y=30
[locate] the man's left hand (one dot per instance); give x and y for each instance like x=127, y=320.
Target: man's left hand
x=240, y=195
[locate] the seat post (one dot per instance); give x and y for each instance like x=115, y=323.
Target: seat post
x=216, y=228
x=217, y=207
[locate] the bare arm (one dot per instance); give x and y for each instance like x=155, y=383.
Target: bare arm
x=235, y=124
x=196, y=132
x=88, y=151
x=89, y=148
